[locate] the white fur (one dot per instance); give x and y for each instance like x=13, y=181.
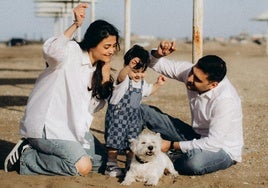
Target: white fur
x=147, y=147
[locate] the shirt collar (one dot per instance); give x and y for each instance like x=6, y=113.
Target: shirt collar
x=86, y=59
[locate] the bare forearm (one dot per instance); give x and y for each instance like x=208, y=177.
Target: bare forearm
x=160, y=82
x=123, y=74
x=79, y=14
x=71, y=30
x=156, y=86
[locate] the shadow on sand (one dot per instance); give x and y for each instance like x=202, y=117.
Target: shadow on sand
x=5, y=148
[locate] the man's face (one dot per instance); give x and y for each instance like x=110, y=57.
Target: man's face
x=198, y=81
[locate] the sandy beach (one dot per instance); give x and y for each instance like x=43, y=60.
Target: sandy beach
x=247, y=69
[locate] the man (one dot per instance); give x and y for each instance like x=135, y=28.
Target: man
x=214, y=140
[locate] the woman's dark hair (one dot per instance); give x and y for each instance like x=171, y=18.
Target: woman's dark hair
x=101, y=90
x=140, y=52
x=213, y=66
x=96, y=32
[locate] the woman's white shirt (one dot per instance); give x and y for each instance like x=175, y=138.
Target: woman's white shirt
x=60, y=103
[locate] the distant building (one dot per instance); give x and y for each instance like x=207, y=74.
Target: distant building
x=16, y=42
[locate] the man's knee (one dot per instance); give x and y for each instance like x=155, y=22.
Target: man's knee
x=84, y=165
x=189, y=166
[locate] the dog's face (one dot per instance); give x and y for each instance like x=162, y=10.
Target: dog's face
x=146, y=146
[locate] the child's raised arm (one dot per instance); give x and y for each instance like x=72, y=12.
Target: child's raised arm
x=160, y=82
x=126, y=69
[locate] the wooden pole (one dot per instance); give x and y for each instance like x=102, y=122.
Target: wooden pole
x=266, y=38
x=197, y=48
x=127, y=24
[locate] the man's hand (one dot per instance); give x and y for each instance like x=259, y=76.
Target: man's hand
x=165, y=48
x=167, y=145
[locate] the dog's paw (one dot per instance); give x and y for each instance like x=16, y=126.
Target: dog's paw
x=175, y=174
x=150, y=184
x=125, y=182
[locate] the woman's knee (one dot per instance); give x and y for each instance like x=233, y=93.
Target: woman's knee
x=84, y=165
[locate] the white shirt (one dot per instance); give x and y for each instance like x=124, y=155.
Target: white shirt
x=60, y=101
x=216, y=114
x=120, y=89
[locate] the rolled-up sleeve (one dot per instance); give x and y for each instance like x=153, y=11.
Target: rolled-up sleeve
x=55, y=50
x=172, y=69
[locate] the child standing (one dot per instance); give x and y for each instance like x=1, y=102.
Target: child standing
x=123, y=119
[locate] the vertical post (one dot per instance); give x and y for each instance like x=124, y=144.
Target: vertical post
x=57, y=26
x=197, y=48
x=127, y=24
x=92, y=16
x=266, y=38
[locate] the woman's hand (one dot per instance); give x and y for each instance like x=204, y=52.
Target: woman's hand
x=80, y=13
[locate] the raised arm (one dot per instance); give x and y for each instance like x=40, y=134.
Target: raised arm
x=79, y=15
x=126, y=69
x=160, y=82
x=164, y=48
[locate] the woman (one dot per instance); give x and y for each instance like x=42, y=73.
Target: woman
x=55, y=128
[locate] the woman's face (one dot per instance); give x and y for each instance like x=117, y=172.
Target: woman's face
x=104, y=50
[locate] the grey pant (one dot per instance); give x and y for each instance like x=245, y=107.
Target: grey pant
x=194, y=162
x=56, y=157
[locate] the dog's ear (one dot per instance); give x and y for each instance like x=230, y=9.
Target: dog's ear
x=147, y=131
x=158, y=134
x=132, y=142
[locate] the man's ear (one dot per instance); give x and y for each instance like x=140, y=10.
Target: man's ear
x=213, y=84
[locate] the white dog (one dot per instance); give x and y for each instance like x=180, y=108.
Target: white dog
x=149, y=162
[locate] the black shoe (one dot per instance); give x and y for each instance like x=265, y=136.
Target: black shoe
x=12, y=160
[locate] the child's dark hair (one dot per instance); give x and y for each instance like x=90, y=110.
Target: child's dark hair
x=141, y=53
x=96, y=32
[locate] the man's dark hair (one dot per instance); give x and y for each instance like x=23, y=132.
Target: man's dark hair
x=213, y=66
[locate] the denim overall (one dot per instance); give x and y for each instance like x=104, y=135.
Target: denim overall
x=123, y=120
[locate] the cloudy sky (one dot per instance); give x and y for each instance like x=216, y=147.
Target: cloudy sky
x=159, y=18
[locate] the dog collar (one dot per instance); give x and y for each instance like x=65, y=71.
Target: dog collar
x=139, y=160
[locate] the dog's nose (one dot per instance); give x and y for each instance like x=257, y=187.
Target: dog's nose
x=150, y=147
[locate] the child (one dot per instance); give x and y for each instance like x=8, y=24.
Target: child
x=123, y=119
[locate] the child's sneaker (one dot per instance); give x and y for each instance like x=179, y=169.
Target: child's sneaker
x=12, y=160
x=113, y=170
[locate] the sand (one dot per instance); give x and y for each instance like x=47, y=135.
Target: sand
x=247, y=69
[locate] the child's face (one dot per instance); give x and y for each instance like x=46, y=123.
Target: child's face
x=136, y=74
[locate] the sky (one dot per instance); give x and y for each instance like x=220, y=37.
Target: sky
x=158, y=18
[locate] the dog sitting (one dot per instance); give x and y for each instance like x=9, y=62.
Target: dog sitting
x=149, y=162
